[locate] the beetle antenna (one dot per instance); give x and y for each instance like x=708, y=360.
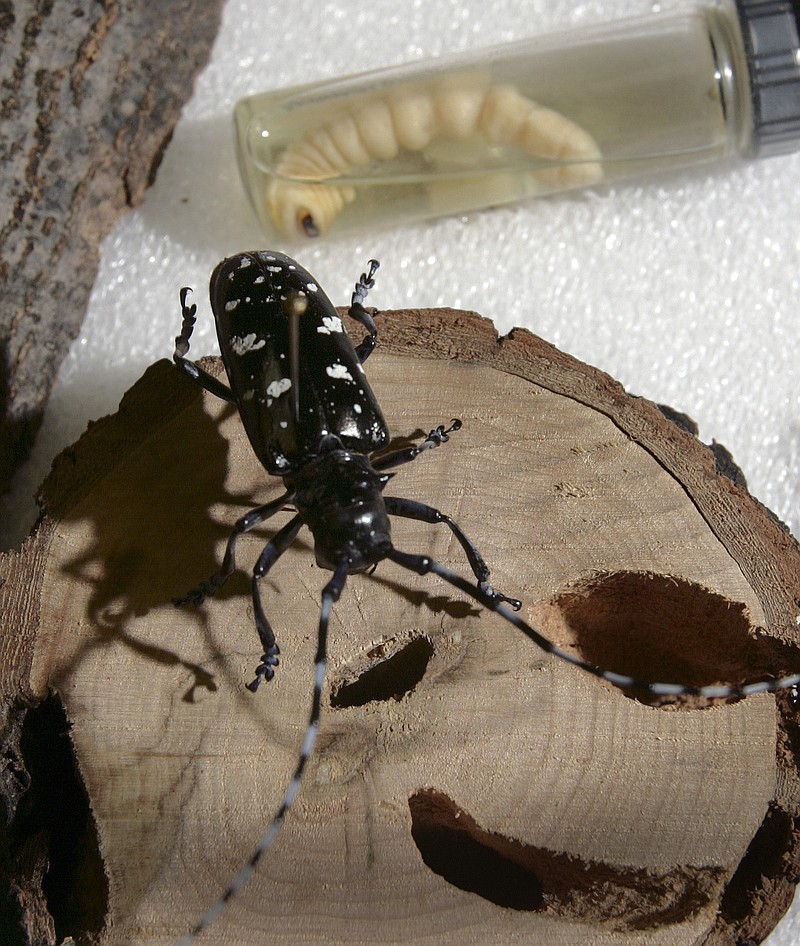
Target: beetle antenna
x=296, y=305
x=423, y=565
x=330, y=594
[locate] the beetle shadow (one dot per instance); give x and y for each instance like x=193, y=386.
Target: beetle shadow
x=153, y=535
x=422, y=598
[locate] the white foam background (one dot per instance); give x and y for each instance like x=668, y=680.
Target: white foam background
x=683, y=288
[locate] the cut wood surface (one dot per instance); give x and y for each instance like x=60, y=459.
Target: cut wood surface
x=466, y=788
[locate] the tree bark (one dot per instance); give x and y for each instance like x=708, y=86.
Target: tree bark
x=91, y=93
x=466, y=787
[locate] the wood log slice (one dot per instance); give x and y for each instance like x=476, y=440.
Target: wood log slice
x=466, y=788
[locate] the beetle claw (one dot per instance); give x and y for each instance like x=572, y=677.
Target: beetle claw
x=266, y=669
x=499, y=598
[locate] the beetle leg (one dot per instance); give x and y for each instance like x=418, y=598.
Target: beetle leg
x=410, y=509
x=434, y=439
x=195, y=372
x=360, y=314
x=249, y=521
x=271, y=553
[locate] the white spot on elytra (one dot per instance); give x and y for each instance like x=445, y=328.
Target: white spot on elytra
x=312, y=287
x=357, y=408
x=258, y=279
x=284, y=424
x=276, y=388
x=339, y=372
x=231, y=304
x=275, y=269
x=330, y=323
x=245, y=262
x=242, y=345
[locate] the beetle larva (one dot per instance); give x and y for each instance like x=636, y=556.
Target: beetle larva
x=301, y=204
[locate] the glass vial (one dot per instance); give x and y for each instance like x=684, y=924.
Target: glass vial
x=531, y=118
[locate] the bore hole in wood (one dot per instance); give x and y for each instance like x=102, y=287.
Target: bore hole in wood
x=455, y=847
x=52, y=856
x=520, y=876
x=389, y=679
x=657, y=628
x=758, y=863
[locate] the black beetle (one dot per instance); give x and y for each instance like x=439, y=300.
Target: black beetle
x=312, y=419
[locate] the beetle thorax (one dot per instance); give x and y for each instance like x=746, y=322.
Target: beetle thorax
x=338, y=496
